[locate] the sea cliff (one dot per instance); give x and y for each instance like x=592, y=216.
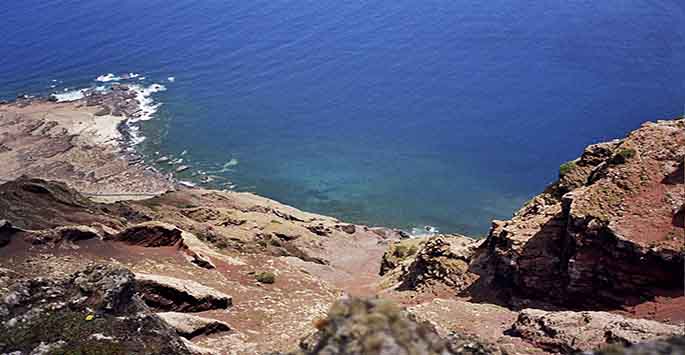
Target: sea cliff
x=101, y=253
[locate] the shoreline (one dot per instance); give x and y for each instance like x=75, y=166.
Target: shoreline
x=94, y=131
x=86, y=143
x=104, y=118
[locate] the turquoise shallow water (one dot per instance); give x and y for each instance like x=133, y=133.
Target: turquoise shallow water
x=403, y=113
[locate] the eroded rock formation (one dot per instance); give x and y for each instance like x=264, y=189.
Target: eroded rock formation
x=172, y=294
x=607, y=234
x=90, y=312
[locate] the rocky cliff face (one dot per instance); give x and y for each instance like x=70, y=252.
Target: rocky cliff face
x=609, y=233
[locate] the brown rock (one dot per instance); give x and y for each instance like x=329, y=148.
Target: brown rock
x=442, y=259
x=190, y=326
x=172, y=294
x=151, y=234
x=569, y=332
x=603, y=234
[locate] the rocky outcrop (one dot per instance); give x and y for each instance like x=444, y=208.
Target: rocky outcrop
x=419, y=263
x=442, y=259
x=38, y=204
x=155, y=234
x=190, y=326
x=400, y=252
x=357, y=326
x=605, y=234
x=65, y=236
x=151, y=234
x=172, y=294
x=91, y=312
x=570, y=332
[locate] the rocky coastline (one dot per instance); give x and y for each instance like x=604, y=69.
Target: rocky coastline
x=102, y=254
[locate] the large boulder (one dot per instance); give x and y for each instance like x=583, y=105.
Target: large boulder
x=172, y=294
x=440, y=260
x=190, y=326
x=569, y=332
x=151, y=234
x=443, y=259
x=155, y=234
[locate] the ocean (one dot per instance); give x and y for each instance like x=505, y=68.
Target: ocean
x=395, y=113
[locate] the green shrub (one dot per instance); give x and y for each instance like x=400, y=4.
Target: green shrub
x=403, y=250
x=622, y=155
x=566, y=167
x=626, y=153
x=266, y=277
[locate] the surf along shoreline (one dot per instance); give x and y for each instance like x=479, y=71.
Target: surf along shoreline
x=106, y=116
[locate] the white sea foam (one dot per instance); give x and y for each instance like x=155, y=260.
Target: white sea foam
x=426, y=231
x=148, y=107
x=171, y=79
x=187, y=183
x=69, y=95
x=107, y=78
x=134, y=133
x=226, y=167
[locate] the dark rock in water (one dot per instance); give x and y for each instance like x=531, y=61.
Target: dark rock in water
x=104, y=111
x=95, y=311
x=375, y=327
x=52, y=98
x=182, y=168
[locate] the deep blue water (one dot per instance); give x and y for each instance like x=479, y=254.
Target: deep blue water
x=402, y=113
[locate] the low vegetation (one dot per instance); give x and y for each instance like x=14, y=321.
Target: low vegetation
x=566, y=168
x=266, y=277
